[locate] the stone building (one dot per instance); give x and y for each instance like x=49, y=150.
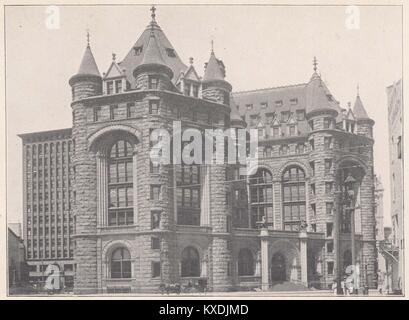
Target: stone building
x=139, y=224
x=395, y=108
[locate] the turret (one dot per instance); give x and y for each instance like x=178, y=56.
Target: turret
x=87, y=81
x=322, y=108
x=214, y=86
x=153, y=72
x=363, y=122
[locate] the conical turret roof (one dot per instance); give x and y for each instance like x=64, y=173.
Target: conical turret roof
x=318, y=97
x=213, y=70
x=139, y=52
x=359, y=110
x=88, y=65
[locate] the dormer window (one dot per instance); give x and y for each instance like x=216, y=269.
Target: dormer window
x=138, y=50
x=276, y=131
x=195, y=90
x=292, y=130
x=279, y=103
x=118, y=86
x=294, y=101
x=110, y=87
x=170, y=52
x=187, y=89
x=249, y=106
x=263, y=105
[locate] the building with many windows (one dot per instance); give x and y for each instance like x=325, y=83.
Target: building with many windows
x=301, y=216
x=47, y=184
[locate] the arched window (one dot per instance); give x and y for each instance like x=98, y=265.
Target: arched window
x=121, y=264
x=120, y=184
x=293, y=181
x=261, y=196
x=190, y=263
x=245, y=263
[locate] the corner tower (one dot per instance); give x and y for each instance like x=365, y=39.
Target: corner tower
x=87, y=81
x=214, y=86
x=364, y=123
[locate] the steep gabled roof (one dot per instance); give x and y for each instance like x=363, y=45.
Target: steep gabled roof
x=114, y=71
x=359, y=110
x=191, y=74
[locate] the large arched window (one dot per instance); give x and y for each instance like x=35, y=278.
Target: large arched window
x=293, y=181
x=190, y=263
x=245, y=263
x=121, y=264
x=120, y=184
x=261, y=196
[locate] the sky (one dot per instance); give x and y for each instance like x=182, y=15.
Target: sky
x=261, y=46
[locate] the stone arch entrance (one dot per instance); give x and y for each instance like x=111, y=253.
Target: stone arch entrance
x=278, y=267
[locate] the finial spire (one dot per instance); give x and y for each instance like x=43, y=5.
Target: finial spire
x=315, y=64
x=113, y=56
x=212, y=44
x=153, y=15
x=87, y=37
x=191, y=60
x=357, y=90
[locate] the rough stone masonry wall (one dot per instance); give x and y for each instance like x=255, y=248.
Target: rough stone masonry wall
x=368, y=221
x=214, y=93
x=84, y=89
x=221, y=244
x=145, y=207
x=85, y=206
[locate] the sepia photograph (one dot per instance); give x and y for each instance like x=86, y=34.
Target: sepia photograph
x=213, y=150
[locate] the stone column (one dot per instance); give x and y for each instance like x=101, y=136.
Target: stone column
x=303, y=257
x=264, y=259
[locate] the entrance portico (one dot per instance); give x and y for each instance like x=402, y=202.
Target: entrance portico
x=284, y=257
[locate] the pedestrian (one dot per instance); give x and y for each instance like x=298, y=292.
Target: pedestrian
x=380, y=281
x=334, y=287
x=343, y=287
